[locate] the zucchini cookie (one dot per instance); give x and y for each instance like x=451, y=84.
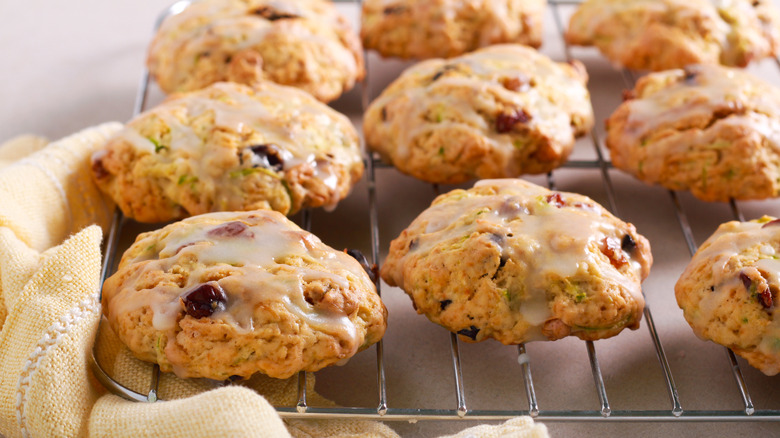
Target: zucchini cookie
x=302, y=43
x=231, y=294
x=516, y=262
x=729, y=290
x=666, y=34
x=709, y=129
x=498, y=112
x=446, y=28
x=230, y=147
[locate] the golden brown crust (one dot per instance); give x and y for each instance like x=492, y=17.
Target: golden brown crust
x=230, y=147
x=513, y=261
x=730, y=289
x=446, y=28
x=659, y=35
x=708, y=129
x=302, y=43
x=498, y=112
x=231, y=294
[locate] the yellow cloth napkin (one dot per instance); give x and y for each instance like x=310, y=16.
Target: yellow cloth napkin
x=51, y=216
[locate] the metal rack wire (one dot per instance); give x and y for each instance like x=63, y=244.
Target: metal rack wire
x=384, y=409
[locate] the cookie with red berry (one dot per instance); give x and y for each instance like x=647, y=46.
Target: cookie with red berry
x=499, y=112
x=515, y=262
x=729, y=291
x=229, y=147
x=227, y=295
x=307, y=44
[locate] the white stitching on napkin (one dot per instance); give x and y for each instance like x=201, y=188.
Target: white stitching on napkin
x=55, y=181
x=51, y=338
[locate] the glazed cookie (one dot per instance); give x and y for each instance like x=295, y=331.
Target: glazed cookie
x=499, y=112
x=708, y=129
x=231, y=294
x=303, y=43
x=729, y=290
x=516, y=262
x=230, y=147
x=446, y=28
x=665, y=34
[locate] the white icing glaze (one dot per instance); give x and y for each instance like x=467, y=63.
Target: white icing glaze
x=695, y=100
x=260, y=276
x=164, y=317
x=139, y=142
x=728, y=243
x=770, y=270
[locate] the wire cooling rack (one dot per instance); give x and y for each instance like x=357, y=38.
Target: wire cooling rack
x=385, y=410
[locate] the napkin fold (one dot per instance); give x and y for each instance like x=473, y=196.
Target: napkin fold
x=52, y=219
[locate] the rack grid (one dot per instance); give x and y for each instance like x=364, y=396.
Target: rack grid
x=460, y=411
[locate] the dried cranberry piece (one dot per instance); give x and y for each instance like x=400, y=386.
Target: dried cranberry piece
x=371, y=270
x=505, y=122
x=771, y=223
x=178, y=250
x=628, y=244
x=268, y=155
x=746, y=281
x=497, y=238
x=272, y=14
x=690, y=76
x=99, y=170
x=232, y=229
x=443, y=71
x=470, y=332
x=765, y=298
x=610, y=247
x=443, y=304
x=394, y=9
x=629, y=95
x=516, y=83
x=501, y=263
x=204, y=300
x=555, y=199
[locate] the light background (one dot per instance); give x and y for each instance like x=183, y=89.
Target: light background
x=69, y=65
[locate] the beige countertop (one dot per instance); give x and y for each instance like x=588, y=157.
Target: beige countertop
x=69, y=65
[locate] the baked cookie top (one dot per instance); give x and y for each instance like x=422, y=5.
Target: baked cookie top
x=665, y=34
x=501, y=111
x=230, y=294
x=730, y=288
x=516, y=262
x=303, y=43
x=230, y=147
x=709, y=129
x=446, y=28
